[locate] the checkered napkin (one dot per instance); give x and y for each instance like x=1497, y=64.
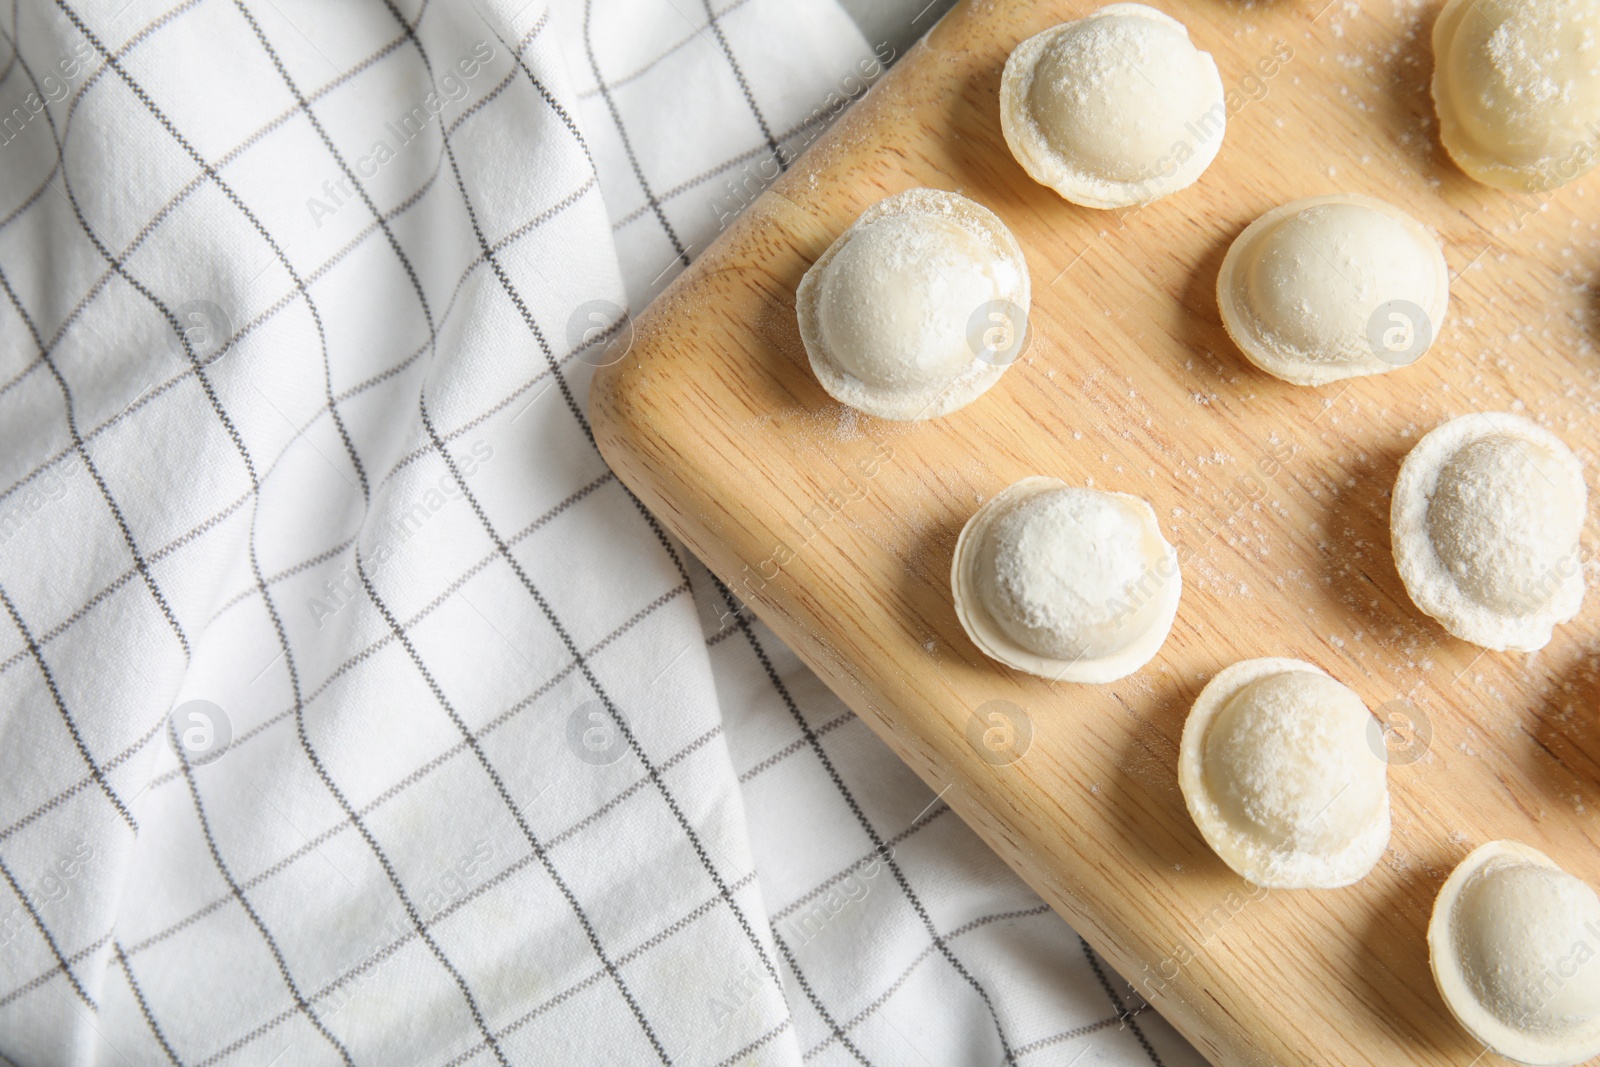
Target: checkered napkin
x=350, y=710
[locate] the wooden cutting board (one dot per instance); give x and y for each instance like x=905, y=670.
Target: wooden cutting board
x=838, y=528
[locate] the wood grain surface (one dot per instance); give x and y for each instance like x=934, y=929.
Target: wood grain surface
x=837, y=528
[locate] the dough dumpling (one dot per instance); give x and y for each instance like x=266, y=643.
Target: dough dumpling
x=1070, y=584
x=1279, y=771
x=1333, y=287
x=1517, y=87
x=1512, y=943
x=1114, y=109
x=917, y=309
x=1485, y=521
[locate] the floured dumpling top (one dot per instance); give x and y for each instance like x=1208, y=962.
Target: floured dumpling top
x=1333, y=287
x=918, y=308
x=1279, y=772
x=1512, y=946
x=1071, y=584
x=1485, y=521
x=1114, y=109
x=1517, y=87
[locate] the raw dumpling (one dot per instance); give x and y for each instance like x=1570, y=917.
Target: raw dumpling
x=1517, y=85
x=1280, y=771
x=1485, y=522
x=1512, y=945
x=1114, y=109
x=1333, y=287
x=1071, y=584
x=917, y=308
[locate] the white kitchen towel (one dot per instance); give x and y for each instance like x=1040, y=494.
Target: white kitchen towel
x=351, y=711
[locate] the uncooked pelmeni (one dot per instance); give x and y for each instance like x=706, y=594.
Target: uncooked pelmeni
x=1281, y=774
x=888, y=312
x=1517, y=87
x=1333, y=287
x=1066, y=583
x=1114, y=109
x=1512, y=946
x=1485, y=521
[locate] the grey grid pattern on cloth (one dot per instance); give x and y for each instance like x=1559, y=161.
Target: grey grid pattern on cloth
x=495, y=771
